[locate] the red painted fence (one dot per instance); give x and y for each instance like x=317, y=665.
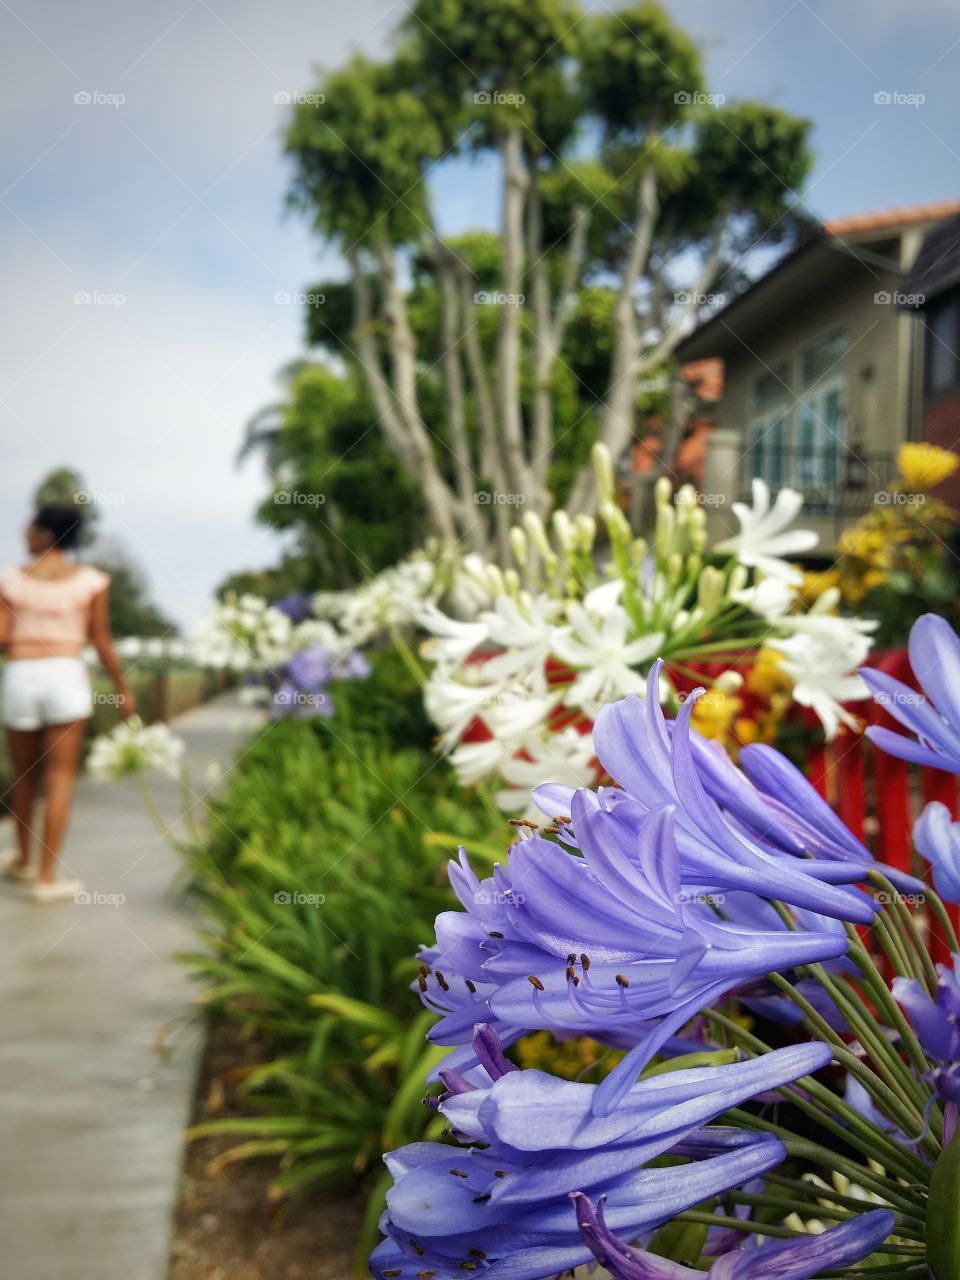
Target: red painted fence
x=879, y=797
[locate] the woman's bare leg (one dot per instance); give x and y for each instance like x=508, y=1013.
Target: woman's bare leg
x=62, y=744
x=24, y=746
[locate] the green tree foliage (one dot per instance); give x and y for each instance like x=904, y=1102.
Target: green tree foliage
x=351, y=507
x=132, y=612
x=627, y=193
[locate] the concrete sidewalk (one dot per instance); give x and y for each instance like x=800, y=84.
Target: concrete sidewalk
x=91, y=1114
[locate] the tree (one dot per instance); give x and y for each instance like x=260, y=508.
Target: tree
x=132, y=612
x=350, y=504
x=627, y=195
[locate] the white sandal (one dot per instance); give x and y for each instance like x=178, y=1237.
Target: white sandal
x=56, y=891
x=13, y=869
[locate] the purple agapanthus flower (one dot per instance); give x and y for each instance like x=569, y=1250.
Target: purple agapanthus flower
x=500, y=1204
x=937, y=1024
x=303, y=689
x=310, y=668
x=297, y=605
x=934, y=649
x=607, y=942
x=657, y=764
x=778, y=1260
x=778, y=807
x=937, y=837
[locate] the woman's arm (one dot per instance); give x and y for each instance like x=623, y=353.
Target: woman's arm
x=6, y=620
x=103, y=643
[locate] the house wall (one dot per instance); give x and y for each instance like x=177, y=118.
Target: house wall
x=941, y=426
x=878, y=364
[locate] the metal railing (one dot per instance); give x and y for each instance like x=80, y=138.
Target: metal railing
x=837, y=481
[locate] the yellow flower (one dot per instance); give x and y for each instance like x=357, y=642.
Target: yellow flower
x=714, y=713
x=765, y=678
x=815, y=584
x=924, y=466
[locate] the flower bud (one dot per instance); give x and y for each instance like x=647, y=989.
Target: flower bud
x=538, y=535
x=710, y=589
x=666, y=524
x=563, y=529
x=585, y=528
x=663, y=491
x=603, y=467
x=518, y=545
x=728, y=682
x=494, y=580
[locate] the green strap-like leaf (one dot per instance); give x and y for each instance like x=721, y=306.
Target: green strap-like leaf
x=943, y=1214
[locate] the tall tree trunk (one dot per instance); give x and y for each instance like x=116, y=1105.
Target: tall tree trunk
x=515, y=182
x=617, y=421
x=451, y=333
x=440, y=501
x=490, y=453
x=407, y=446
x=549, y=327
x=384, y=402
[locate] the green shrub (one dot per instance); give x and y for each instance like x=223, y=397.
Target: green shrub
x=387, y=706
x=322, y=873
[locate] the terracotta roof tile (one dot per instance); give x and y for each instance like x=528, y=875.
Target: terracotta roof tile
x=879, y=221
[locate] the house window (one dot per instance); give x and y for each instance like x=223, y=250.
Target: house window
x=821, y=416
x=769, y=428
x=943, y=345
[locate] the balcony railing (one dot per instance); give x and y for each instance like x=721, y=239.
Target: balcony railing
x=841, y=480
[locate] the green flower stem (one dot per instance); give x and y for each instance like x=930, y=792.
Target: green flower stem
x=804, y=1208
x=812, y=1209
x=719, y=648
x=827, y=1192
x=833, y=1112
x=407, y=657
x=889, y=1100
x=946, y=924
x=885, y=1001
x=892, y=947
x=153, y=811
x=890, y=1271
x=784, y=1233
x=858, y=1133
x=928, y=973
x=894, y=1193
x=884, y=1057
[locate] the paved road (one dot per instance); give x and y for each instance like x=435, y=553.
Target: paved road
x=91, y=1113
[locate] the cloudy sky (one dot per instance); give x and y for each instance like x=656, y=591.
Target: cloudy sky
x=160, y=199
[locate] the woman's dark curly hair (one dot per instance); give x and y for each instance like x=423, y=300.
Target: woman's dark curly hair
x=65, y=523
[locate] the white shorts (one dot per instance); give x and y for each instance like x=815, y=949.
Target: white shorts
x=42, y=691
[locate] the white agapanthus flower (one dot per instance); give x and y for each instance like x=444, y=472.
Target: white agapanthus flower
x=566, y=758
x=822, y=658
x=765, y=537
x=243, y=633
x=596, y=644
x=132, y=748
x=392, y=599
x=316, y=633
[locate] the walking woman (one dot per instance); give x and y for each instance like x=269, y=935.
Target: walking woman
x=49, y=610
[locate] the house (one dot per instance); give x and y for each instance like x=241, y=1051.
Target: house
x=821, y=370
x=932, y=289
x=704, y=380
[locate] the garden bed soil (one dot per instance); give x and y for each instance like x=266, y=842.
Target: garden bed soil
x=225, y=1227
